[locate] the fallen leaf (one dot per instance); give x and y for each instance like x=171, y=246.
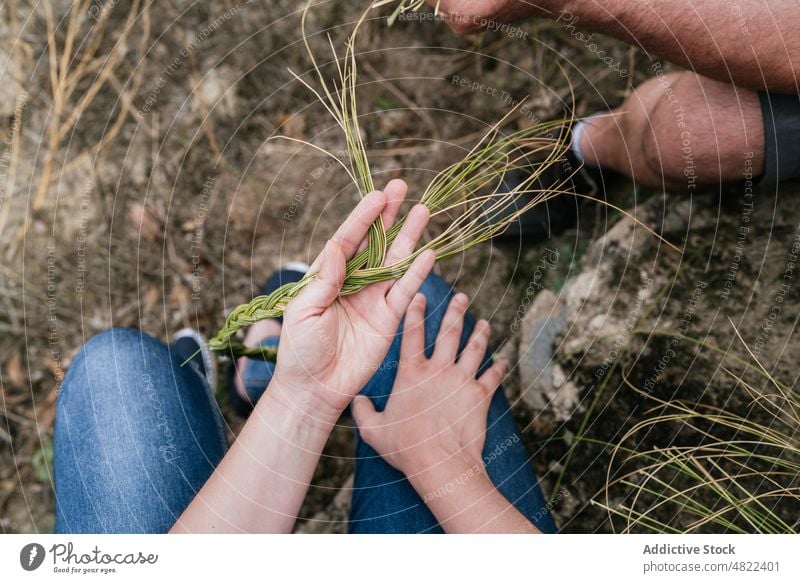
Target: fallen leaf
x=179, y=295
x=292, y=125
x=14, y=371
x=145, y=222
x=150, y=299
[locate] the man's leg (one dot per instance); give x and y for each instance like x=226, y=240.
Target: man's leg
x=385, y=502
x=679, y=129
x=136, y=436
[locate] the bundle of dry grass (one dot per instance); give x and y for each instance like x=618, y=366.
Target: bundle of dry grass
x=725, y=470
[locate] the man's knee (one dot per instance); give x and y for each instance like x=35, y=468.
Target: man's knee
x=697, y=130
x=666, y=118
x=118, y=340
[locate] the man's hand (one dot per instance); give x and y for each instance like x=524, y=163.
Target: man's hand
x=437, y=410
x=467, y=16
x=331, y=345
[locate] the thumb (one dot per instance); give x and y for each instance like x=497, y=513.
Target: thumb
x=366, y=417
x=323, y=290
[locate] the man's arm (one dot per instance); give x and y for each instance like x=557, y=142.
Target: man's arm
x=753, y=43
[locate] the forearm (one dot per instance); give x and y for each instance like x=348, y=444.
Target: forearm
x=261, y=482
x=464, y=500
x=753, y=43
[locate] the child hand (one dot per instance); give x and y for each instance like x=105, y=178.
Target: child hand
x=437, y=410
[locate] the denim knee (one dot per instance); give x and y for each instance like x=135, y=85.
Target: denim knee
x=122, y=361
x=117, y=354
x=124, y=378
x=136, y=435
x=437, y=294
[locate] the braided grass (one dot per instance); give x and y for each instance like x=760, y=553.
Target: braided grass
x=469, y=193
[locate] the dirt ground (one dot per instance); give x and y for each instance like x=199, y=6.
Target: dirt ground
x=147, y=195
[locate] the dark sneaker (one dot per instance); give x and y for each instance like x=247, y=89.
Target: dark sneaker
x=558, y=213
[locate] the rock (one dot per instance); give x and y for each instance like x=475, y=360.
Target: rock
x=540, y=327
x=217, y=92
x=564, y=396
x=738, y=264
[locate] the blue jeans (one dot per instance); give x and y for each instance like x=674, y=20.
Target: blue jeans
x=137, y=436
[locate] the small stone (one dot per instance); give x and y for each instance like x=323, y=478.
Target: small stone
x=540, y=327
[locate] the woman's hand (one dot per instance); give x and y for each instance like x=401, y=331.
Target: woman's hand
x=437, y=410
x=331, y=346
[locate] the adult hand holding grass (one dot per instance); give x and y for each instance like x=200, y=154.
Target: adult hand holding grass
x=331, y=344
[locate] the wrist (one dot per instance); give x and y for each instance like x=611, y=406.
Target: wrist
x=436, y=479
x=301, y=404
